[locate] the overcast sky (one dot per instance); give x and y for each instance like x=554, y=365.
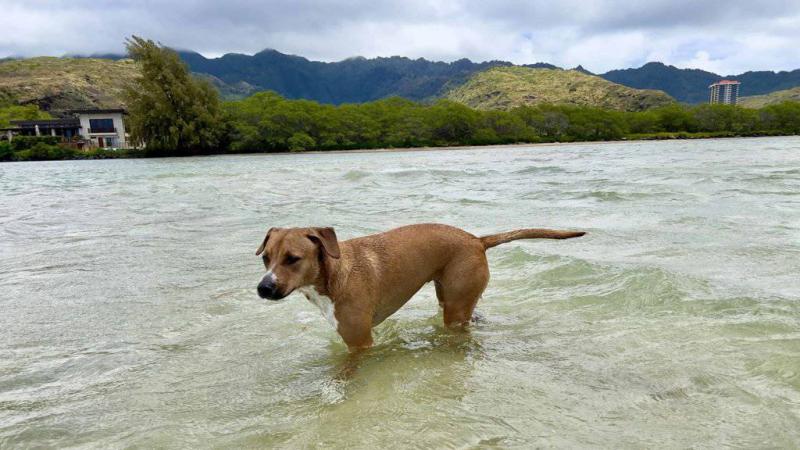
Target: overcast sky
x=726, y=37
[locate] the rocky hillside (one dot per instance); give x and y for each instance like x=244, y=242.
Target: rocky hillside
x=508, y=87
x=56, y=84
x=759, y=101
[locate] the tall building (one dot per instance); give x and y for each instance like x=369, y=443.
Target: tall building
x=725, y=92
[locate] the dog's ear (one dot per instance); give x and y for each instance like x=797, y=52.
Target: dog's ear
x=326, y=238
x=264, y=242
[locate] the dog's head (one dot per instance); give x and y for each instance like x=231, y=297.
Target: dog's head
x=293, y=258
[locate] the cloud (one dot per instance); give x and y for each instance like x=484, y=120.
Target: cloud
x=723, y=36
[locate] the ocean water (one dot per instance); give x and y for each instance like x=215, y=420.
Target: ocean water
x=129, y=318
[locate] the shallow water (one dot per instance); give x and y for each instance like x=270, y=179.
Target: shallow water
x=129, y=315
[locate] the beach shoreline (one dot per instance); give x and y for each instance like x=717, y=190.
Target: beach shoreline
x=138, y=154
x=514, y=145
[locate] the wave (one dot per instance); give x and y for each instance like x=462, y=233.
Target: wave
x=355, y=175
x=539, y=170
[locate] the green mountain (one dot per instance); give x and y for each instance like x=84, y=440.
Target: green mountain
x=773, y=98
x=507, y=87
x=691, y=85
x=361, y=79
x=353, y=80
x=84, y=82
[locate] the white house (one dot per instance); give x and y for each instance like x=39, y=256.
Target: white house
x=103, y=127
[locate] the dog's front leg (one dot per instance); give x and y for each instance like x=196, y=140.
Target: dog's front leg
x=347, y=369
x=355, y=327
x=357, y=338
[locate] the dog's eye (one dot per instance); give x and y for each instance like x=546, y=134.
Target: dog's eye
x=291, y=259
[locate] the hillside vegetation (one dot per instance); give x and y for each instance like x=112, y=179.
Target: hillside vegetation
x=773, y=98
x=56, y=84
x=353, y=80
x=505, y=88
x=356, y=80
x=267, y=122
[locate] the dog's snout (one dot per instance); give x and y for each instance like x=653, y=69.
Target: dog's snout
x=265, y=289
x=268, y=289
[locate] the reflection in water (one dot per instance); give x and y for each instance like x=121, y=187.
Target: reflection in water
x=129, y=317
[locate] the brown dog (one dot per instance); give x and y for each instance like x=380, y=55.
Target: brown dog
x=360, y=282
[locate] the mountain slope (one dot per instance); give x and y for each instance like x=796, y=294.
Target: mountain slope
x=85, y=82
x=58, y=84
x=691, y=85
x=66, y=83
x=759, y=101
x=353, y=80
x=508, y=87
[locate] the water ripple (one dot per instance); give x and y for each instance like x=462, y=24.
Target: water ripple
x=130, y=319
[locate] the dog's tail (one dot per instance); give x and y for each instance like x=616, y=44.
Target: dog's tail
x=527, y=233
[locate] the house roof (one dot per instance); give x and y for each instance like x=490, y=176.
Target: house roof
x=97, y=111
x=48, y=123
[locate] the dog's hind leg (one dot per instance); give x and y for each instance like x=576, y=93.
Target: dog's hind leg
x=460, y=287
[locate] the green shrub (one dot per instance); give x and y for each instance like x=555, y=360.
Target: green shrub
x=6, y=153
x=28, y=142
x=24, y=155
x=300, y=142
x=41, y=151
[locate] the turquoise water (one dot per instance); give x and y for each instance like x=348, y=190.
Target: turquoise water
x=130, y=319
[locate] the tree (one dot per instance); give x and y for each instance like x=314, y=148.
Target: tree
x=170, y=111
x=452, y=123
x=783, y=117
x=301, y=141
x=675, y=118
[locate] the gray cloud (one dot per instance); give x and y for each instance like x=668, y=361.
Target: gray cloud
x=723, y=36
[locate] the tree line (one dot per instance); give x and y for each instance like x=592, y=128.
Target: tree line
x=174, y=113
x=268, y=122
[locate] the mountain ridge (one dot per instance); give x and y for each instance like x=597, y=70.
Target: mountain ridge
x=359, y=79
x=691, y=85
x=61, y=82
x=352, y=80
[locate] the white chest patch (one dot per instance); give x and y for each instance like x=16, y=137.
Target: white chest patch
x=323, y=302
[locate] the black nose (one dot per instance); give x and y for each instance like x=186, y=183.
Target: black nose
x=268, y=289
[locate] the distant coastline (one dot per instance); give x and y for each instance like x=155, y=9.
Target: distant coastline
x=139, y=154
x=518, y=144
x=501, y=105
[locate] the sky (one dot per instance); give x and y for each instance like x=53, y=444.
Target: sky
x=726, y=37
